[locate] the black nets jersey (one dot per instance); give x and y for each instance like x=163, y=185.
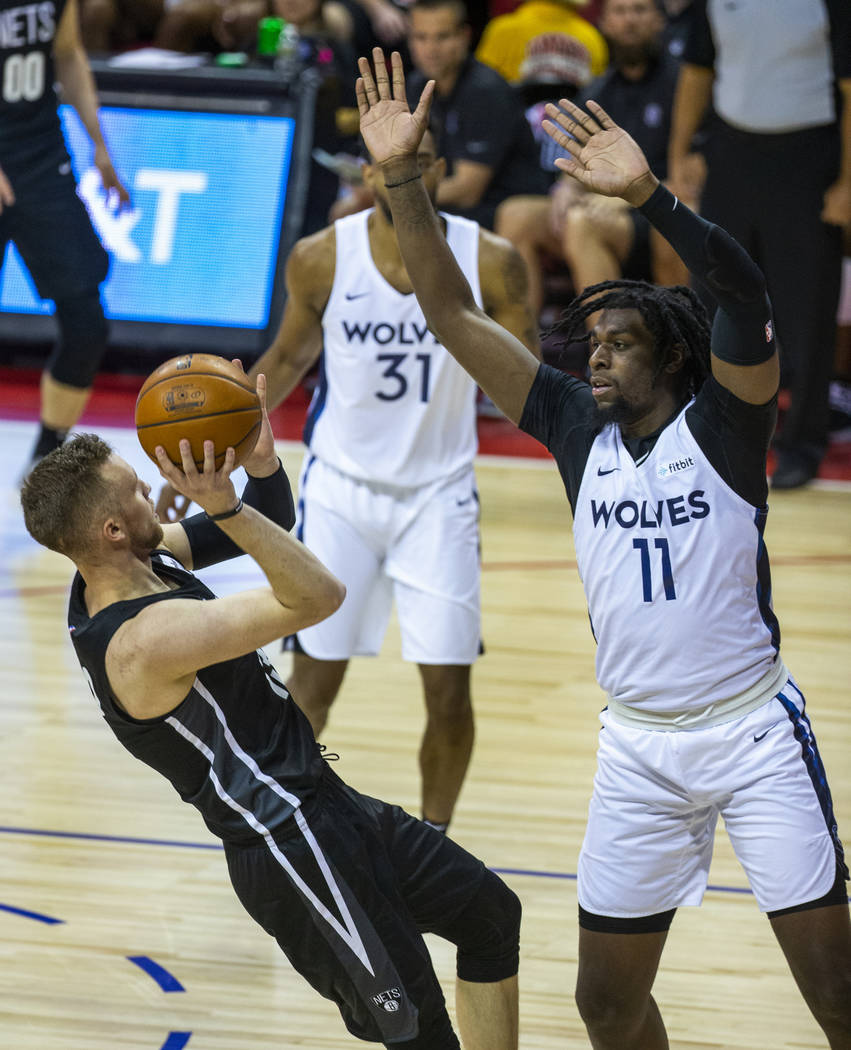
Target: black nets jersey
x=237, y=747
x=29, y=118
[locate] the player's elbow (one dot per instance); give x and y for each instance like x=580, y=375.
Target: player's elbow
x=325, y=598
x=336, y=595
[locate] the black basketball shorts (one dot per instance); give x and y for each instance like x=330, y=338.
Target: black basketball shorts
x=347, y=893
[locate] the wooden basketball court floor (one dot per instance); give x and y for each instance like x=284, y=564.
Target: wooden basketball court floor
x=119, y=929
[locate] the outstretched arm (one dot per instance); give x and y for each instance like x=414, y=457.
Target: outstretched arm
x=606, y=160
x=502, y=366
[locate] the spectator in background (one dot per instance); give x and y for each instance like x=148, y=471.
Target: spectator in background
x=778, y=178
x=678, y=15
x=114, y=25
x=602, y=238
x=479, y=123
x=544, y=42
x=40, y=211
x=324, y=30
x=210, y=25
x=231, y=25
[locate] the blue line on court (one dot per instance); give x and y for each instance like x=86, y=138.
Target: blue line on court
x=176, y=1041
x=90, y=836
x=176, y=844
x=534, y=874
x=167, y=981
x=32, y=915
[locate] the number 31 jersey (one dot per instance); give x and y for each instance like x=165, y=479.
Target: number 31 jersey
x=28, y=101
x=675, y=573
x=392, y=405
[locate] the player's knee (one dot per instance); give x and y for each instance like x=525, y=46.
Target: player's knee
x=447, y=700
x=579, y=228
x=519, y=220
x=603, y=1010
x=489, y=933
x=82, y=340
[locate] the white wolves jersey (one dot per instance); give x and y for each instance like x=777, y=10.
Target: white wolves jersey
x=392, y=405
x=669, y=553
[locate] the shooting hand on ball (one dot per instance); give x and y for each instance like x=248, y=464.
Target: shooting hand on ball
x=263, y=459
x=211, y=489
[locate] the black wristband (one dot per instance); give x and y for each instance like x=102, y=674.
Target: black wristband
x=393, y=185
x=232, y=513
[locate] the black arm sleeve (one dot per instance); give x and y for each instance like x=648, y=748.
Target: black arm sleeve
x=272, y=496
x=742, y=332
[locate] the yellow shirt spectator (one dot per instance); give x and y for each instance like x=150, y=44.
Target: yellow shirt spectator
x=544, y=41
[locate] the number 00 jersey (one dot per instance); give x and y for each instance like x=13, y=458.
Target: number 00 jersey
x=392, y=405
x=28, y=102
x=236, y=747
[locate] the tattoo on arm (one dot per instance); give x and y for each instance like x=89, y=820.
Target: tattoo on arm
x=516, y=305
x=515, y=279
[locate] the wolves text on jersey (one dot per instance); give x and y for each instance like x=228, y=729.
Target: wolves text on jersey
x=407, y=333
x=629, y=514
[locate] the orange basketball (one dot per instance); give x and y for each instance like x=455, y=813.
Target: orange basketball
x=199, y=397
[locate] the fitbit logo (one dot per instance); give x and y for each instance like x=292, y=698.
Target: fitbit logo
x=116, y=228
x=665, y=470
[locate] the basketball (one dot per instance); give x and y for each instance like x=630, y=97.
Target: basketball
x=199, y=397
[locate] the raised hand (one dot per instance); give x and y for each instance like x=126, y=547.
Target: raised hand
x=389, y=128
x=603, y=157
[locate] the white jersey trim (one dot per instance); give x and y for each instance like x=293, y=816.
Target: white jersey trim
x=348, y=932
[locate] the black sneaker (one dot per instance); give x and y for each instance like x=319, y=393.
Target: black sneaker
x=794, y=469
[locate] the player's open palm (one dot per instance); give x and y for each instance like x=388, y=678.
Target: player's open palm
x=603, y=157
x=389, y=128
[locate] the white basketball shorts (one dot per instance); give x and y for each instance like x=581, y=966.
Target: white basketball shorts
x=419, y=546
x=657, y=796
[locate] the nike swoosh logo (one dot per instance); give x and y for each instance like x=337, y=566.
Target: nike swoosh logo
x=757, y=739
x=357, y=295
x=602, y=473
x=463, y=502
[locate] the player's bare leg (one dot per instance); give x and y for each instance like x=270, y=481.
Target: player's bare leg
x=314, y=685
x=817, y=946
x=616, y=973
x=447, y=742
x=61, y=404
x=487, y=1014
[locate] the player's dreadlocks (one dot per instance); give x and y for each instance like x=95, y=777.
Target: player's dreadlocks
x=674, y=316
